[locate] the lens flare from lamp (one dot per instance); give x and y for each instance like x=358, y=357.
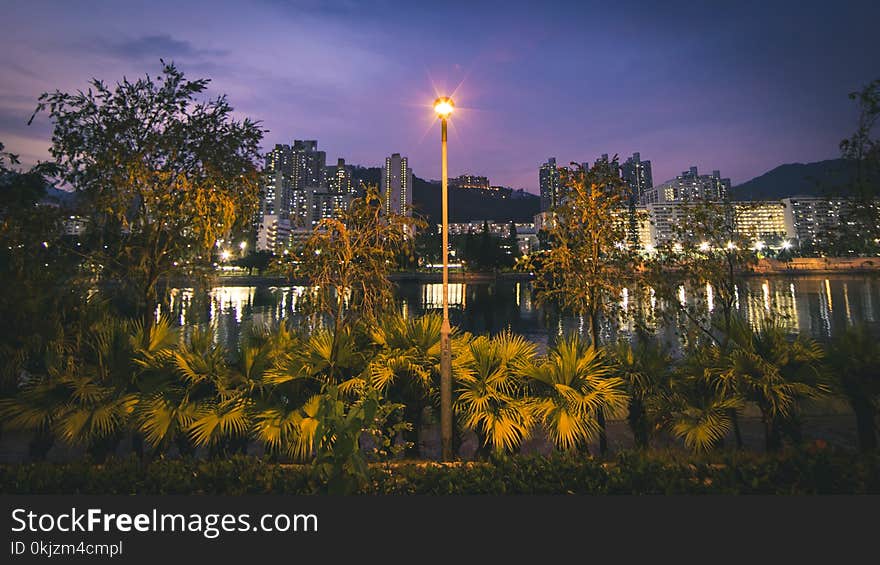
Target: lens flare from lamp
x=443, y=107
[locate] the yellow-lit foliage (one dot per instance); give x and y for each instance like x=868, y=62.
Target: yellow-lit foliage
x=490, y=399
x=589, y=259
x=568, y=389
x=161, y=175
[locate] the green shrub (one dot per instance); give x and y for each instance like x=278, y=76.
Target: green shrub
x=805, y=471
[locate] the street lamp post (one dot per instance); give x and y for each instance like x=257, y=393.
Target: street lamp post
x=443, y=107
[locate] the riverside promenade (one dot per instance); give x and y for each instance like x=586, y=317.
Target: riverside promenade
x=817, y=265
x=794, y=266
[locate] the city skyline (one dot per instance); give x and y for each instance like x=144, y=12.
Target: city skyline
x=712, y=87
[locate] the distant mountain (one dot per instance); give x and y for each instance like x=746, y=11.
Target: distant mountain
x=367, y=175
x=469, y=205
x=464, y=205
x=797, y=179
x=57, y=197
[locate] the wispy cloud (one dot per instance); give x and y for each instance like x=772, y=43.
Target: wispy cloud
x=155, y=46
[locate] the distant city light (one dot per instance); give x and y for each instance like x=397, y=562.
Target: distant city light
x=786, y=244
x=759, y=245
x=243, y=245
x=731, y=245
x=677, y=247
x=704, y=246
x=225, y=255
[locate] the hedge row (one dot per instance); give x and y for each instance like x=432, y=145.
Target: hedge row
x=816, y=471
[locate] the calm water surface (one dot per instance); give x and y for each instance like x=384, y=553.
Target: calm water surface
x=818, y=306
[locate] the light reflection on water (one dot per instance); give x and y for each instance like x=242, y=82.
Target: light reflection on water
x=814, y=306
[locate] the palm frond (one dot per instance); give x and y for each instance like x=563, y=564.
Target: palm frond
x=217, y=421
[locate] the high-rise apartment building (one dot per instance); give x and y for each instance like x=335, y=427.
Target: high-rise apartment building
x=277, y=182
x=813, y=220
x=757, y=221
x=290, y=172
x=322, y=204
x=548, y=178
x=280, y=159
x=340, y=178
x=688, y=186
x=276, y=194
x=760, y=220
x=639, y=179
x=638, y=176
x=397, y=185
x=309, y=165
x=273, y=233
x=604, y=159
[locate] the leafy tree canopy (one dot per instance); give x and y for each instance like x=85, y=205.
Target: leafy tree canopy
x=162, y=174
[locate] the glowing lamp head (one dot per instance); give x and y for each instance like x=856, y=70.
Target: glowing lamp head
x=786, y=245
x=705, y=246
x=443, y=107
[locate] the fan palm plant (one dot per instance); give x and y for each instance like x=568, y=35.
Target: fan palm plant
x=223, y=405
x=569, y=387
x=645, y=368
x=854, y=358
x=326, y=358
x=288, y=429
x=405, y=366
x=283, y=375
x=68, y=403
x=490, y=398
x=775, y=373
x=89, y=390
x=697, y=406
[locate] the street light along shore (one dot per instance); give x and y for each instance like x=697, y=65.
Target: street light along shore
x=443, y=107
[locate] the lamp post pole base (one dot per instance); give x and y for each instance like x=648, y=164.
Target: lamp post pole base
x=445, y=393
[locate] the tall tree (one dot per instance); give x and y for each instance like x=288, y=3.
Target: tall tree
x=162, y=176
x=706, y=258
x=774, y=372
x=645, y=367
x=699, y=271
x=854, y=359
x=589, y=261
x=861, y=227
x=37, y=273
x=348, y=260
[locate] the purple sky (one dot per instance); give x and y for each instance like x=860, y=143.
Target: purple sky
x=736, y=86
